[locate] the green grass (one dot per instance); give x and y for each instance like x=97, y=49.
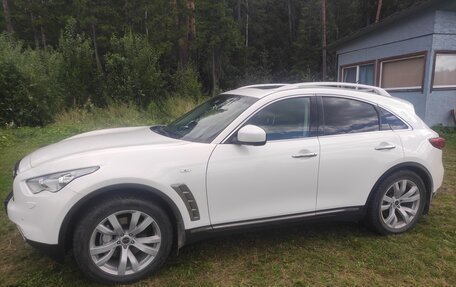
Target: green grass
x=306, y=255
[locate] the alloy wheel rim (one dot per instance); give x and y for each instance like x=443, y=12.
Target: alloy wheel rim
x=125, y=242
x=400, y=204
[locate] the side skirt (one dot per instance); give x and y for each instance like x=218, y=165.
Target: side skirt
x=354, y=213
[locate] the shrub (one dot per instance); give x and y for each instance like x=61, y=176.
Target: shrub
x=132, y=71
x=77, y=73
x=29, y=93
x=186, y=83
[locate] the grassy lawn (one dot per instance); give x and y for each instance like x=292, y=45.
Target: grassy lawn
x=323, y=254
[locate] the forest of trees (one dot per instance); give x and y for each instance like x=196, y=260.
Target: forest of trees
x=58, y=54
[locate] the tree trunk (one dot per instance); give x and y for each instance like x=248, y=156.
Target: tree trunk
x=127, y=14
x=145, y=24
x=33, y=21
x=9, y=25
x=238, y=11
x=214, y=75
x=379, y=10
x=95, y=46
x=247, y=23
x=192, y=22
x=290, y=21
x=43, y=37
x=323, y=38
x=180, y=40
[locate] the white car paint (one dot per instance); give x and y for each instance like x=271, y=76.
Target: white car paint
x=229, y=182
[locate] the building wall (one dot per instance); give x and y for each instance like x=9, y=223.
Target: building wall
x=415, y=35
x=427, y=31
x=421, y=24
x=441, y=102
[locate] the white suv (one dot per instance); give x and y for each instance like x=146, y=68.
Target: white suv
x=255, y=156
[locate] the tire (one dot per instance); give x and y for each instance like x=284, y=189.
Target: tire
x=392, y=203
x=126, y=252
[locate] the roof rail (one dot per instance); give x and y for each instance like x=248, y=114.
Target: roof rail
x=361, y=87
x=259, y=86
x=283, y=86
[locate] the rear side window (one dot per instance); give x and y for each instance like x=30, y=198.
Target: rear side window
x=286, y=119
x=388, y=119
x=344, y=116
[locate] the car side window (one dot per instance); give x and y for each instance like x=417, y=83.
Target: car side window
x=392, y=121
x=343, y=116
x=286, y=119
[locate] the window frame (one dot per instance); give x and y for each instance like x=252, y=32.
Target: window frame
x=314, y=119
x=357, y=65
x=322, y=121
x=421, y=54
x=441, y=88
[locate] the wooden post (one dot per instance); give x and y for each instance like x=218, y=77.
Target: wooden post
x=379, y=10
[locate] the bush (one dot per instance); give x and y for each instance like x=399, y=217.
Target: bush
x=29, y=92
x=132, y=71
x=77, y=73
x=186, y=83
x=36, y=85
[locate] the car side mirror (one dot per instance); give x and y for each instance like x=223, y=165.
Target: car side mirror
x=251, y=135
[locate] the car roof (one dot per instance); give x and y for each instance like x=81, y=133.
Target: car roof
x=362, y=92
x=367, y=93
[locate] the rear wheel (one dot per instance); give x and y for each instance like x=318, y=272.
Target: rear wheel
x=122, y=240
x=398, y=203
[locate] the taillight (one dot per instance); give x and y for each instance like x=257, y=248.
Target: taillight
x=437, y=142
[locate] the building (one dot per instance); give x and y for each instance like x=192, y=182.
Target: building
x=411, y=54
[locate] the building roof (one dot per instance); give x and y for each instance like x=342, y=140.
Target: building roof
x=394, y=18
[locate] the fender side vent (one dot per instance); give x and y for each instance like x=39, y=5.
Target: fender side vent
x=188, y=199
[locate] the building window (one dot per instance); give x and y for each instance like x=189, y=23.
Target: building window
x=445, y=70
x=361, y=74
x=403, y=73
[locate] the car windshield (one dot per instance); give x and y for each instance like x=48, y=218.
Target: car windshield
x=205, y=122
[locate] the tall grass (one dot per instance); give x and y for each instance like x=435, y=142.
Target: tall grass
x=121, y=114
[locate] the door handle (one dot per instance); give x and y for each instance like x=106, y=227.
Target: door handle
x=310, y=154
x=385, y=147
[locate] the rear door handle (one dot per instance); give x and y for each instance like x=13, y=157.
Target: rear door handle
x=385, y=147
x=301, y=155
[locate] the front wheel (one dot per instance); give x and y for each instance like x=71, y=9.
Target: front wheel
x=397, y=203
x=122, y=240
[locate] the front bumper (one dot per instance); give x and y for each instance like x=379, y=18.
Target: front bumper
x=54, y=251
x=7, y=199
x=39, y=217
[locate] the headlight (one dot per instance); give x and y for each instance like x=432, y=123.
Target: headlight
x=56, y=181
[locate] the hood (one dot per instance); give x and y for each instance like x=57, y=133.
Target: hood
x=96, y=140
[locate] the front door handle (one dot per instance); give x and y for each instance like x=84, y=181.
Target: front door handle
x=301, y=155
x=385, y=147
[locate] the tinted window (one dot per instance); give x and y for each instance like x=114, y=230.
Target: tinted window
x=348, y=116
x=392, y=121
x=286, y=119
x=206, y=121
